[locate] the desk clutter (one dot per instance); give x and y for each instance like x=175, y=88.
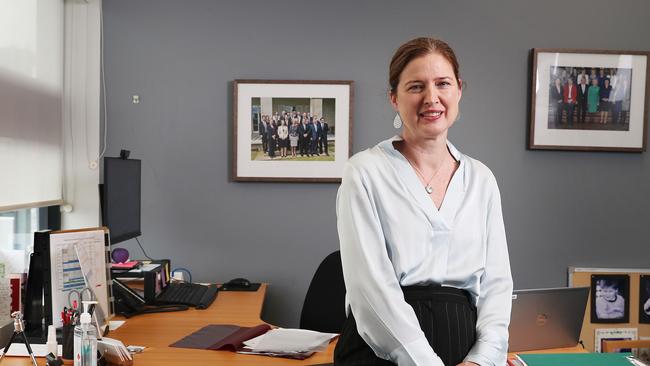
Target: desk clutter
x=259, y=340
x=146, y=287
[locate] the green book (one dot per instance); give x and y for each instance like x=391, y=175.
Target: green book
x=576, y=359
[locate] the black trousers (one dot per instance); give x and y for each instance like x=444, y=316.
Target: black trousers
x=446, y=315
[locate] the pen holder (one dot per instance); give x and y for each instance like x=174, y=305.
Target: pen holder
x=67, y=344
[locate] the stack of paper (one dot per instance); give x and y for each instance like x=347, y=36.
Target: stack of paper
x=114, y=351
x=291, y=343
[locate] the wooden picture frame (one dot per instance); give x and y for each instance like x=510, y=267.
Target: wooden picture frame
x=315, y=150
x=608, y=113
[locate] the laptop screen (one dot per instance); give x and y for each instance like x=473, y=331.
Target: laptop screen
x=546, y=318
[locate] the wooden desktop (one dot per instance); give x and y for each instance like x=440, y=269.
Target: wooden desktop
x=157, y=331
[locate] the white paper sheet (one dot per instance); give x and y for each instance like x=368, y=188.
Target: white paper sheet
x=290, y=340
x=66, y=268
x=114, y=324
x=19, y=349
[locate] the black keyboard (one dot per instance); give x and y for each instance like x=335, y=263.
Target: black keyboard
x=199, y=296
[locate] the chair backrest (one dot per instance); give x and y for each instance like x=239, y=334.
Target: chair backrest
x=324, y=307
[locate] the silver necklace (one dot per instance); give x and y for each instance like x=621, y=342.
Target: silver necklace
x=427, y=186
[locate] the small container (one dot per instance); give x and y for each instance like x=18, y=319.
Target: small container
x=67, y=343
x=52, y=346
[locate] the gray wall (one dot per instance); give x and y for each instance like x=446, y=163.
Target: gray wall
x=561, y=208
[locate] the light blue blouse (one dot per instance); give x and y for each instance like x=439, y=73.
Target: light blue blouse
x=392, y=235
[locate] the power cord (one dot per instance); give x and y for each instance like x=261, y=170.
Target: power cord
x=143, y=252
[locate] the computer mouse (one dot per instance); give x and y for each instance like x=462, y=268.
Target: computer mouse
x=238, y=283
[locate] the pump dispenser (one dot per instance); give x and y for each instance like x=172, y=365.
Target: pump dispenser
x=52, y=346
x=85, y=339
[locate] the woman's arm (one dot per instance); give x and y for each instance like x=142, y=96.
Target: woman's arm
x=384, y=320
x=495, y=298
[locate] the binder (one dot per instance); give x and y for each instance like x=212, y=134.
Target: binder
x=576, y=359
x=221, y=337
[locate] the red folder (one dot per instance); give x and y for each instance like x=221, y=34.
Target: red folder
x=221, y=337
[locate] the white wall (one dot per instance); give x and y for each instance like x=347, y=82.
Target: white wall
x=82, y=114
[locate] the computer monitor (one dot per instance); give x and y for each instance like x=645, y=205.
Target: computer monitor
x=121, y=198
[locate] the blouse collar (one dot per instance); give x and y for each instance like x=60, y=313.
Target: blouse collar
x=455, y=190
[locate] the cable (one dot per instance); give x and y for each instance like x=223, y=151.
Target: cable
x=143, y=252
x=189, y=274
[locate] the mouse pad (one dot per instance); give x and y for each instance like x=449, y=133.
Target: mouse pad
x=252, y=288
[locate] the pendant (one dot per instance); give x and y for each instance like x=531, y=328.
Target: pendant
x=429, y=189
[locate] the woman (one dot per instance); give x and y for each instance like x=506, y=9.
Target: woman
x=604, y=101
x=423, y=244
x=293, y=136
x=593, y=96
x=283, y=138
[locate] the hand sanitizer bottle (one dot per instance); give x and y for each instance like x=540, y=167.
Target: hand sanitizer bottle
x=85, y=339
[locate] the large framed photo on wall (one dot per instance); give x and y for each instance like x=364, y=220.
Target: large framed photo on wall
x=291, y=130
x=589, y=100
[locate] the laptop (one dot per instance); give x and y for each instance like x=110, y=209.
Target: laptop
x=546, y=318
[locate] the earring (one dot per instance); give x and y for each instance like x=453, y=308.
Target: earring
x=397, y=121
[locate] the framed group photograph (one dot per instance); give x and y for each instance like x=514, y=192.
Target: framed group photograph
x=589, y=100
x=291, y=130
x=610, y=296
x=644, y=299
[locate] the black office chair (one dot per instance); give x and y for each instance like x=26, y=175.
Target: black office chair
x=324, y=307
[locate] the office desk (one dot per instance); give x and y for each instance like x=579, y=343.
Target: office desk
x=158, y=331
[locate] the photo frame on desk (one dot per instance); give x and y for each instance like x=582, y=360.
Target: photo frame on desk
x=64, y=261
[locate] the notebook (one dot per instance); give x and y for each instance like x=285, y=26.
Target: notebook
x=546, y=318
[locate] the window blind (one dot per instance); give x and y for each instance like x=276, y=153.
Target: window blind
x=31, y=92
